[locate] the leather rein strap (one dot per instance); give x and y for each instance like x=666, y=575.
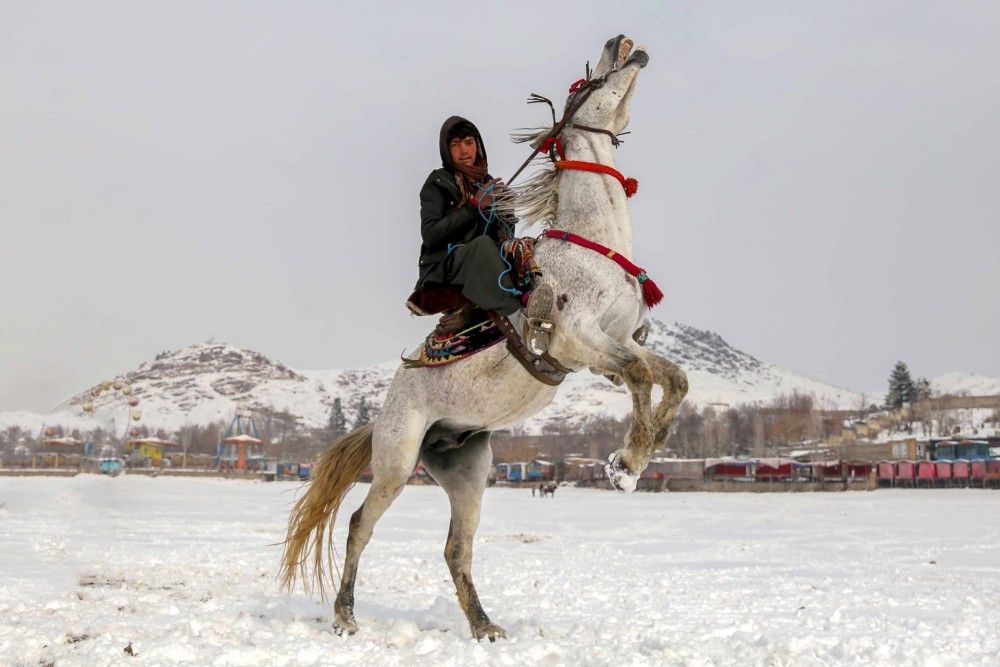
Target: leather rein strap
x=582, y=89
x=615, y=141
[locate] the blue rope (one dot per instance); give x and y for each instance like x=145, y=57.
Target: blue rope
x=492, y=210
x=489, y=220
x=492, y=217
x=514, y=291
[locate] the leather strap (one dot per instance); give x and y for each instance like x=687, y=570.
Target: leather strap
x=581, y=91
x=543, y=368
x=615, y=141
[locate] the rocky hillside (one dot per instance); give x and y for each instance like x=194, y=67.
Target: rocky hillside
x=210, y=381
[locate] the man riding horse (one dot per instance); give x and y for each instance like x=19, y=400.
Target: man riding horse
x=443, y=417
x=468, y=262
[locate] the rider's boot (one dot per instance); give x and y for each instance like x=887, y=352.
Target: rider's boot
x=537, y=314
x=454, y=321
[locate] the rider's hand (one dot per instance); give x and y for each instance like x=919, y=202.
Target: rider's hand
x=484, y=198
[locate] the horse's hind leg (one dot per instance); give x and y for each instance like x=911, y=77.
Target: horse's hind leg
x=462, y=473
x=395, y=450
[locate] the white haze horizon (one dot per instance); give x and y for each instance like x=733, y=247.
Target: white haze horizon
x=818, y=184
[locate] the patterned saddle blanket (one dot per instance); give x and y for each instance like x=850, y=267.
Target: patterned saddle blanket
x=436, y=351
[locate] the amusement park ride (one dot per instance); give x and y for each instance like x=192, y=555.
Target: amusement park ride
x=107, y=393
x=112, y=392
x=239, y=449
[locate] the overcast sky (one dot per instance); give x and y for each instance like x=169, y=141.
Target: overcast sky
x=819, y=182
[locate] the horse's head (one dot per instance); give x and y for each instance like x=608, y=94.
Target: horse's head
x=607, y=108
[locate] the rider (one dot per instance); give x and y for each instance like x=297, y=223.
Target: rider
x=462, y=233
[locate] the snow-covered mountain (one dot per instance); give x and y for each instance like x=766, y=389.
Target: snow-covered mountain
x=950, y=384
x=209, y=381
x=965, y=384
x=718, y=374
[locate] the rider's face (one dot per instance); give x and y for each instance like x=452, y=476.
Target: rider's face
x=463, y=151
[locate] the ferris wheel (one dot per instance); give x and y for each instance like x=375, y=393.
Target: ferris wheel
x=115, y=392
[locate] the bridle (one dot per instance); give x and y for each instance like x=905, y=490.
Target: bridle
x=581, y=91
x=615, y=141
x=551, y=144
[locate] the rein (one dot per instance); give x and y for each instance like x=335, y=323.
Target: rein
x=582, y=90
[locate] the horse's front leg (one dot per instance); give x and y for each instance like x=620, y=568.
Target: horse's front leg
x=674, y=383
x=462, y=472
x=627, y=362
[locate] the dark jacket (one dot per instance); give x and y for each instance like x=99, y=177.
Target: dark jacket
x=441, y=223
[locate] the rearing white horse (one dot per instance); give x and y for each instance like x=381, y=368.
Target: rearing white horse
x=443, y=416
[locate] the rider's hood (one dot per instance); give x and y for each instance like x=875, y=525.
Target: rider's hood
x=445, y=129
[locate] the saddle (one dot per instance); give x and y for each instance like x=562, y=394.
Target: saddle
x=440, y=351
x=488, y=329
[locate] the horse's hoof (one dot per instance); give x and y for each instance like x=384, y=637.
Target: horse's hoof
x=490, y=631
x=344, y=623
x=621, y=478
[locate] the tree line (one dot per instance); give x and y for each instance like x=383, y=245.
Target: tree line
x=698, y=432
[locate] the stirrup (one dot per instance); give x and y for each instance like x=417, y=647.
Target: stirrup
x=538, y=327
x=542, y=367
x=539, y=334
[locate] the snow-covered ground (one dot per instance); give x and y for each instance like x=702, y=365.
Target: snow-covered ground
x=184, y=570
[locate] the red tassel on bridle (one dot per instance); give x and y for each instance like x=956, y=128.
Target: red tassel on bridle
x=547, y=145
x=631, y=186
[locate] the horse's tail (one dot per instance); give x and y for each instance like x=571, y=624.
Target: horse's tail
x=315, y=512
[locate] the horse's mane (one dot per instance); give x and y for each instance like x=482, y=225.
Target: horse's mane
x=537, y=199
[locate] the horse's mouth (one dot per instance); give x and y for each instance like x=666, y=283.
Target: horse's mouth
x=624, y=49
x=624, y=55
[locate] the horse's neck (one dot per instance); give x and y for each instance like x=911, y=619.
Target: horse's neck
x=593, y=205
